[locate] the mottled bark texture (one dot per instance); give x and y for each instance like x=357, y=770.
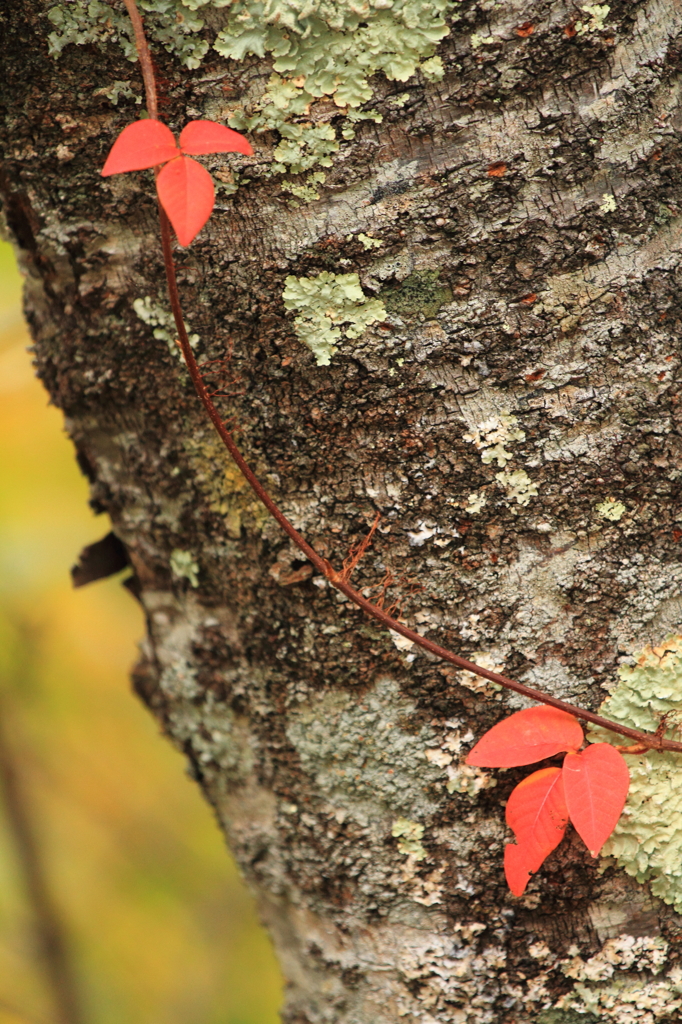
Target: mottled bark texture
x=529, y=210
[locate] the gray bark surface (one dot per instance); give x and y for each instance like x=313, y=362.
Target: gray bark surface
x=521, y=298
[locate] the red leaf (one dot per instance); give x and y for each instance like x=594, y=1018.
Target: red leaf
x=186, y=193
x=526, y=737
x=596, y=783
x=140, y=145
x=536, y=809
x=537, y=814
x=519, y=863
x=208, y=137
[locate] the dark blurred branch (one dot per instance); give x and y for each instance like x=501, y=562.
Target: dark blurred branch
x=50, y=931
x=16, y=1012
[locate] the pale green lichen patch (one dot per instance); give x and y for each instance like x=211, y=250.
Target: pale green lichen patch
x=647, y=841
x=409, y=835
x=478, y=39
x=608, y=204
x=172, y=23
x=475, y=502
x=465, y=779
x=631, y=999
x=462, y=778
x=118, y=90
x=330, y=307
x=285, y=107
x=518, y=485
x=598, y=14
x=336, y=46
x=184, y=566
x=302, y=145
x=161, y=320
x=308, y=193
x=564, y=1017
x=491, y=437
x=611, y=509
x=477, y=684
x=318, y=48
x=368, y=242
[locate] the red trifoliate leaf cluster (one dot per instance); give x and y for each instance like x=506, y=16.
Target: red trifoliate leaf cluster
x=589, y=789
x=184, y=187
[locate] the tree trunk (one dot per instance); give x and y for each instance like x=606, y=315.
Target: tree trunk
x=510, y=409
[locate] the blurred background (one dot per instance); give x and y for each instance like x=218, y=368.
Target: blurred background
x=157, y=925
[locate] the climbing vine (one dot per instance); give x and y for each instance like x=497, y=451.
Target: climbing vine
x=591, y=787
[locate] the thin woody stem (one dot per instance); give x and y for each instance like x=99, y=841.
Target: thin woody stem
x=144, y=58
x=337, y=579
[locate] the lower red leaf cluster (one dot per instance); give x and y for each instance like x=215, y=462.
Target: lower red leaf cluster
x=589, y=790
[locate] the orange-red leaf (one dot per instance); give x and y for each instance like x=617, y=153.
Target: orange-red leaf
x=140, y=145
x=186, y=193
x=199, y=137
x=596, y=783
x=536, y=809
x=537, y=814
x=520, y=862
x=526, y=737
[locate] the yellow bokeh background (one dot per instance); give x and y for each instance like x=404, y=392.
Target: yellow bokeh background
x=161, y=928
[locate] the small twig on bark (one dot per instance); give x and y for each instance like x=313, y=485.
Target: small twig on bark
x=648, y=740
x=358, y=550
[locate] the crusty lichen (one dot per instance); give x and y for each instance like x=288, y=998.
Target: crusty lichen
x=329, y=306
x=226, y=491
x=420, y=292
x=647, y=841
x=622, y=983
x=361, y=758
x=613, y=987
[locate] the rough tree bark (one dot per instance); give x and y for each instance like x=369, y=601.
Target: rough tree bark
x=515, y=419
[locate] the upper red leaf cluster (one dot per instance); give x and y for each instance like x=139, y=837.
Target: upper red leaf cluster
x=184, y=187
x=589, y=790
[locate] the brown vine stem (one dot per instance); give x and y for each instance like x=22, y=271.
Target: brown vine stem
x=337, y=579
x=145, y=58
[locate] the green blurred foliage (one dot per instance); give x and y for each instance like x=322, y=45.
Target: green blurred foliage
x=162, y=928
